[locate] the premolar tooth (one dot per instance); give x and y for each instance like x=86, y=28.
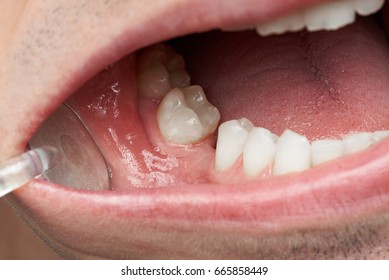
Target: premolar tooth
x=357, y=142
x=330, y=16
x=326, y=150
x=380, y=135
x=368, y=7
x=230, y=142
x=183, y=121
x=293, y=153
x=259, y=151
x=292, y=22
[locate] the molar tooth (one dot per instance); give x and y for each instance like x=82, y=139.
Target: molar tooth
x=380, y=135
x=185, y=116
x=179, y=78
x=230, y=142
x=293, y=153
x=292, y=22
x=177, y=122
x=154, y=82
x=259, y=151
x=330, y=16
x=326, y=150
x=357, y=142
x=160, y=69
x=209, y=115
x=368, y=7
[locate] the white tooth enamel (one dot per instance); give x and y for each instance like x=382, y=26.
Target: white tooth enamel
x=208, y=114
x=357, y=142
x=259, y=151
x=292, y=22
x=231, y=140
x=380, y=135
x=185, y=116
x=368, y=7
x=326, y=150
x=160, y=69
x=330, y=16
x=293, y=153
x=178, y=123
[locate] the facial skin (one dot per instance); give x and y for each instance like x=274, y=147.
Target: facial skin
x=48, y=49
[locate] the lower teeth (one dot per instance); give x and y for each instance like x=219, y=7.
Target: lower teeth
x=185, y=117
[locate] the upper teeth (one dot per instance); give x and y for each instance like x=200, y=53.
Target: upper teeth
x=327, y=16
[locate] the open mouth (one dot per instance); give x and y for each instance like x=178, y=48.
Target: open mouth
x=312, y=104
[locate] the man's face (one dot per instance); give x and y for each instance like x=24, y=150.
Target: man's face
x=167, y=200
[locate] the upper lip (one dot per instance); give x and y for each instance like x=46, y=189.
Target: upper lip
x=271, y=205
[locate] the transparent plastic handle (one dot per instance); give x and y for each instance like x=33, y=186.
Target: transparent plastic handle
x=19, y=170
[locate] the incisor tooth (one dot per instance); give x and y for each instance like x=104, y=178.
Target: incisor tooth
x=326, y=150
x=367, y=7
x=183, y=120
x=259, y=151
x=293, y=153
x=231, y=140
x=329, y=16
x=292, y=22
x=357, y=142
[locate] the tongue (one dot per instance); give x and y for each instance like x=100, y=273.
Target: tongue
x=322, y=84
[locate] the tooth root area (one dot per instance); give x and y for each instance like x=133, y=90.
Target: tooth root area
x=232, y=136
x=368, y=7
x=259, y=151
x=357, y=142
x=181, y=122
x=293, y=153
x=326, y=150
x=160, y=69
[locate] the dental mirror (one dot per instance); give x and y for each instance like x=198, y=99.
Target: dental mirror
x=82, y=165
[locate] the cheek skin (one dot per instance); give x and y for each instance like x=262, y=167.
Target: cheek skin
x=16, y=239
